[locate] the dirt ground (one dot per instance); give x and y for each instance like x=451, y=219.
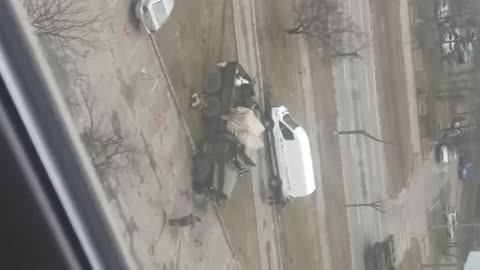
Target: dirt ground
x=187, y=62
x=392, y=93
x=211, y=25
x=413, y=257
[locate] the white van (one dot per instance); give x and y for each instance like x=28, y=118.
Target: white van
x=152, y=14
x=291, y=157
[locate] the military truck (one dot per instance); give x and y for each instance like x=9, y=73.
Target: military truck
x=228, y=107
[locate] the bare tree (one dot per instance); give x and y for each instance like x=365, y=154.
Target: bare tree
x=354, y=51
x=105, y=145
x=362, y=132
x=67, y=23
x=377, y=205
x=324, y=21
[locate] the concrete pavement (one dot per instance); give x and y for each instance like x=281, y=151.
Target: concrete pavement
x=363, y=160
x=128, y=91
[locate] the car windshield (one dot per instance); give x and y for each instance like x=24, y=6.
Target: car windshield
x=290, y=122
x=160, y=11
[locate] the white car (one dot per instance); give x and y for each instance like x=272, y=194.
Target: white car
x=443, y=9
x=451, y=220
x=152, y=14
x=291, y=156
x=445, y=154
x=448, y=42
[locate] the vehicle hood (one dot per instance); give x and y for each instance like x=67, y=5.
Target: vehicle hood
x=302, y=184
x=168, y=6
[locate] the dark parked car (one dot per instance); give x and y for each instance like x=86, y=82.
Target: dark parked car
x=381, y=256
x=465, y=167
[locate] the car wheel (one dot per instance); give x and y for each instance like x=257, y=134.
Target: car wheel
x=213, y=83
x=201, y=171
x=268, y=123
x=212, y=106
x=227, y=137
x=274, y=182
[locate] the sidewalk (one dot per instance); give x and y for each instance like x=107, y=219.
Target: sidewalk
x=128, y=91
x=410, y=77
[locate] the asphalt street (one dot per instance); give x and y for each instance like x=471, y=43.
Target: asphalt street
x=362, y=158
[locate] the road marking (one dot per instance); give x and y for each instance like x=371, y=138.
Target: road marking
x=153, y=88
x=134, y=50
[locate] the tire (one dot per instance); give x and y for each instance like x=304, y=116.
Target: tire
x=268, y=123
x=213, y=83
x=201, y=172
x=274, y=182
x=220, y=199
x=226, y=136
x=212, y=107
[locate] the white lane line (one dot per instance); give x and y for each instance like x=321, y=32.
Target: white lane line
x=134, y=49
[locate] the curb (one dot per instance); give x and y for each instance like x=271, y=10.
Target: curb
x=410, y=78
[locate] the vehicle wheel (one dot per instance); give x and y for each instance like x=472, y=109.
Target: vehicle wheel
x=220, y=199
x=226, y=136
x=212, y=106
x=201, y=171
x=274, y=182
x=268, y=123
x=213, y=83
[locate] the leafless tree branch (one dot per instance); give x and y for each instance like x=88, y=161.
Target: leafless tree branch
x=324, y=21
x=65, y=22
x=377, y=205
x=364, y=133
x=107, y=148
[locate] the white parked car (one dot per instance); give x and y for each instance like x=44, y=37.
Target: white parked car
x=292, y=163
x=445, y=154
x=152, y=14
x=448, y=42
x=451, y=220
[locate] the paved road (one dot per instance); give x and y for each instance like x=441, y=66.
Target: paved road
x=362, y=158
